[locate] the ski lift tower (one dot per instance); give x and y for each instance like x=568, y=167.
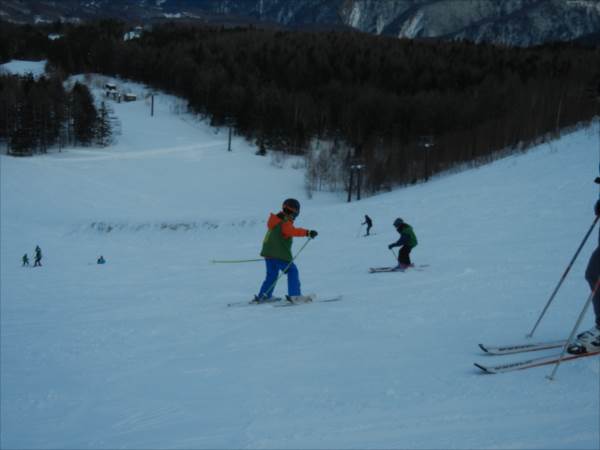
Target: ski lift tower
x=356, y=168
x=152, y=94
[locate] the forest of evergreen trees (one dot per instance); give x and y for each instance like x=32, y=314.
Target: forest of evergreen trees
x=38, y=114
x=406, y=109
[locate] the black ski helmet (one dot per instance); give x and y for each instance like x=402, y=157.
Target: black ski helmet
x=291, y=206
x=398, y=222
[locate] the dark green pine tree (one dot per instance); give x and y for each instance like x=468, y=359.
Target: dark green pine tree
x=103, y=126
x=22, y=138
x=83, y=115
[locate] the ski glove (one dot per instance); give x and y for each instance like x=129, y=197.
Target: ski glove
x=391, y=246
x=312, y=234
x=597, y=208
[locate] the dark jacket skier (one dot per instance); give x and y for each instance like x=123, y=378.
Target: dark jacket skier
x=369, y=223
x=38, y=257
x=589, y=341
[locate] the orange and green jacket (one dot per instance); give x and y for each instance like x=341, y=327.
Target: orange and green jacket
x=278, y=240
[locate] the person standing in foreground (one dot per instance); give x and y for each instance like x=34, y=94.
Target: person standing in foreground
x=408, y=241
x=589, y=341
x=277, y=250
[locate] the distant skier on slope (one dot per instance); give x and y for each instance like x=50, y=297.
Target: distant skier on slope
x=589, y=341
x=277, y=250
x=369, y=223
x=25, y=260
x=407, y=241
x=38, y=257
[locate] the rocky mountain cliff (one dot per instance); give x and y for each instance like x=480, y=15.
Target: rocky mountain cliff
x=511, y=22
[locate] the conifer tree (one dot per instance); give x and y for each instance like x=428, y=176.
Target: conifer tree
x=83, y=114
x=103, y=126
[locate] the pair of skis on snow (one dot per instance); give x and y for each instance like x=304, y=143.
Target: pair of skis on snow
x=419, y=267
x=528, y=363
x=288, y=301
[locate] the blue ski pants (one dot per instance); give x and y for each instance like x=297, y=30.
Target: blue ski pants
x=274, y=265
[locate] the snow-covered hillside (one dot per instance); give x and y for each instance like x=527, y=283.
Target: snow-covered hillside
x=35, y=68
x=143, y=352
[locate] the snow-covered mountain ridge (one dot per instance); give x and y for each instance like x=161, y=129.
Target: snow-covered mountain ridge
x=512, y=22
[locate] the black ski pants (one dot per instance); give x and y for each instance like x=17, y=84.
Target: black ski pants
x=404, y=255
x=592, y=275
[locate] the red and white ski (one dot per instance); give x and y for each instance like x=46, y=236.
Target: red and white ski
x=532, y=362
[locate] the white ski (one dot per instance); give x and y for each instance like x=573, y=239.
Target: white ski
x=313, y=299
x=253, y=303
x=419, y=268
x=520, y=348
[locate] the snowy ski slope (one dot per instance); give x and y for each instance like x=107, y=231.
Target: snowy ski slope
x=143, y=352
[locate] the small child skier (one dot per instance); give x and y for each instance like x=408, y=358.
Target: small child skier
x=277, y=251
x=25, y=260
x=407, y=241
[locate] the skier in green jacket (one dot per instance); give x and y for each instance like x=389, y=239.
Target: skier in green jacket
x=407, y=241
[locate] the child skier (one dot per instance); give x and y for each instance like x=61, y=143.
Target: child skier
x=408, y=241
x=277, y=251
x=25, y=260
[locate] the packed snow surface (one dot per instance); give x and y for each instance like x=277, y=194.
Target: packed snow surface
x=143, y=352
